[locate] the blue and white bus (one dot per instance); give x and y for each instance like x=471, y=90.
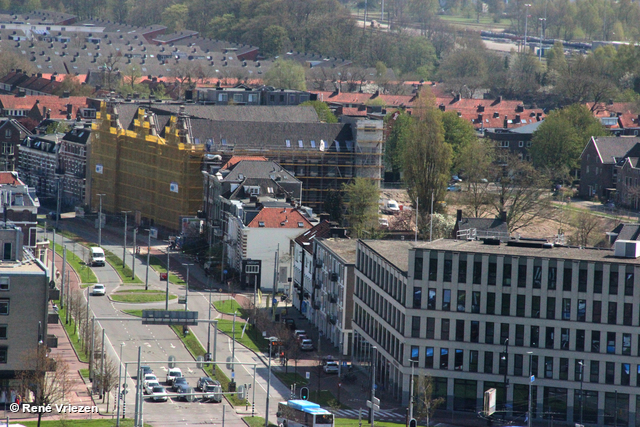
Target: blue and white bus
x=302, y=413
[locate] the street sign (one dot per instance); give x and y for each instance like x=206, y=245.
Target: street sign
x=163, y=317
x=229, y=365
x=163, y=276
x=233, y=375
x=376, y=407
x=225, y=272
x=182, y=300
x=376, y=401
x=275, y=301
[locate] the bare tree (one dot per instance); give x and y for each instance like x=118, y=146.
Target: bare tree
x=585, y=224
x=425, y=403
x=47, y=378
x=108, y=379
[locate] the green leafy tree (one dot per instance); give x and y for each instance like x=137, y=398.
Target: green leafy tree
x=175, y=17
x=274, y=40
x=458, y=133
x=556, y=60
x=400, y=126
x=425, y=401
x=427, y=158
x=464, y=71
x=362, y=207
x=558, y=142
x=476, y=160
x=334, y=206
x=322, y=109
x=286, y=74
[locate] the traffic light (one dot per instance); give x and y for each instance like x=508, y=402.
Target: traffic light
x=413, y=422
x=304, y=393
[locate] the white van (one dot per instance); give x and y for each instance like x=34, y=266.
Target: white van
x=97, y=256
x=390, y=207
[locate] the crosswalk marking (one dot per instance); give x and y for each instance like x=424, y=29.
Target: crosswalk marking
x=353, y=413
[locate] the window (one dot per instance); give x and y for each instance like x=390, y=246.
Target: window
x=564, y=368
x=613, y=283
x=4, y=306
x=446, y=300
x=612, y=315
x=552, y=277
x=223, y=97
x=6, y=254
x=462, y=271
x=448, y=266
x=506, y=273
x=462, y=300
x=489, y=333
x=473, y=361
x=475, y=331
x=594, y=371
x=609, y=372
x=518, y=362
x=300, y=144
x=417, y=268
x=431, y=328
x=535, y=307
x=537, y=276
x=491, y=303
x=445, y=324
x=566, y=281
x=3, y=354
x=578, y=369
x=415, y=326
x=417, y=297
x=428, y=357
x=431, y=299
x=504, y=333
x=493, y=272
x=534, y=365
x=551, y=307
x=628, y=282
x=253, y=97
x=519, y=335
x=522, y=274
x=595, y=341
x=596, y=316
x=582, y=280
x=564, y=338
x=444, y=358
x=506, y=305
x=475, y=302
x=626, y=344
x=3, y=332
x=535, y=336
x=7, y=133
x=288, y=143
x=625, y=374
x=580, y=334
x=415, y=352
x=503, y=363
x=597, y=280
x=520, y=305
x=4, y=283
x=582, y=310
x=459, y=330
x=477, y=272
x=566, y=308
x=488, y=362
x=627, y=314
x=313, y=143
x=549, y=337
x=520, y=144
x=611, y=343
x=433, y=267
x=548, y=367
x=457, y=360
x=237, y=97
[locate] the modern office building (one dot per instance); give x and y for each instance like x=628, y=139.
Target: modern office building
x=477, y=315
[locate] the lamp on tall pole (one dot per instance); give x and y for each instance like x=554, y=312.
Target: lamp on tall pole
x=530, y=353
x=581, y=363
x=526, y=21
x=146, y=278
x=100, y=220
x=505, y=357
x=118, y=386
x=124, y=248
x=411, y=388
x=186, y=288
x=542, y=20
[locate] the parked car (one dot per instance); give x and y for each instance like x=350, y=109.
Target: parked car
x=149, y=386
x=179, y=382
x=98, y=289
x=172, y=374
x=299, y=332
x=213, y=392
x=202, y=382
x=390, y=207
x=331, y=368
x=291, y=324
x=159, y=394
x=150, y=377
x=306, y=345
x=383, y=222
x=456, y=178
x=453, y=187
x=146, y=370
x=185, y=393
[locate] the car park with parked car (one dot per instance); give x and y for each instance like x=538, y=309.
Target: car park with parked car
x=331, y=368
x=178, y=382
x=159, y=394
x=172, y=374
x=98, y=289
x=149, y=386
x=212, y=392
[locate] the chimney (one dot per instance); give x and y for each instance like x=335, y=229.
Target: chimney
x=503, y=216
x=69, y=109
x=499, y=99
x=506, y=122
x=519, y=108
x=481, y=108
x=517, y=118
x=442, y=107
x=458, y=216
x=456, y=97
x=53, y=77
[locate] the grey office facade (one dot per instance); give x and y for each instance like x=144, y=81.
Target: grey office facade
x=478, y=315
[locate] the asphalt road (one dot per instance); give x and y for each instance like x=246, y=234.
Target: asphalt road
x=160, y=342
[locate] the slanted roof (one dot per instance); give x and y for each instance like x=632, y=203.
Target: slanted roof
x=627, y=231
x=323, y=229
x=10, y=178
x=259, y=169
x=279, y=218
x=235, y=159
x=613, y=148
x=244, y=113
x=483, y=224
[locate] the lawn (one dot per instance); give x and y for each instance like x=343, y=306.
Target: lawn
x=125, y=272
x=128, y=422
x=140, y=296
x=84, y=373
x=160, y=267
x=196, y=349
x=291, y=378
x=72, y=333
x=228, y=306
x=346, y=422
x=325, y=399
x=256, y=422
x=84, y=272
x=252, y=339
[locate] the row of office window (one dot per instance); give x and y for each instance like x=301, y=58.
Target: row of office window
x=614, y=342
x=381, y=335
x=381, y=276
x=518, y=271
x=593, y=371
x=526, y=306
x=380, y=305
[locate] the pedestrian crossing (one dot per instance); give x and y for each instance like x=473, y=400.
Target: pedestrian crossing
x=383, y=415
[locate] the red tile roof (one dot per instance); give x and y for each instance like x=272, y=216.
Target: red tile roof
x=280, y=218
x=626, y=112
x=237, y=159
x=9, y=178
x=57, y=105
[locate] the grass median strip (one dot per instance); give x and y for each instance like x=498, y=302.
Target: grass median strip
x=252, y=339
x=140, y=296
x=72, y=333
x=161, y=267
x=257, y=422
x=84, y=272
x=229, y=306
x=125, y=273
x=128, y=422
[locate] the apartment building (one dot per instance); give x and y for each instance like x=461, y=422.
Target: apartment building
x=477, y=315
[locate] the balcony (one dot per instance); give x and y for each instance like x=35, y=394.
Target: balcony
x=318, y=263
x=316, y=306
x=317, y=285
x=333, y=320
x=333, y=298
x=334, y=277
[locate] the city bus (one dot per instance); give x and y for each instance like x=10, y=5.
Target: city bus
x=302, y=413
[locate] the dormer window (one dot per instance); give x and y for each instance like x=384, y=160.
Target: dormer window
x=288, y=143
x=300, y=224
x=260, y=223
x=300, y=143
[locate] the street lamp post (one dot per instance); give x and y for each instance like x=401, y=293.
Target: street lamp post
x=119, y=386
x=186, y=288
x=542, y=20
x=506, y=369
x=166, y=303
x=124, y=248
x=530, y=353
x=411, y=389
x=209, y=324
x=146, y=278
x=100, y=220
x=526, y=21
x=133, y=257
x=581, y=363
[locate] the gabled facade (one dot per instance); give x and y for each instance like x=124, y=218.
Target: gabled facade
x=72, y=164
x=38, y=163
x=22, y=205
x=12, y=133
